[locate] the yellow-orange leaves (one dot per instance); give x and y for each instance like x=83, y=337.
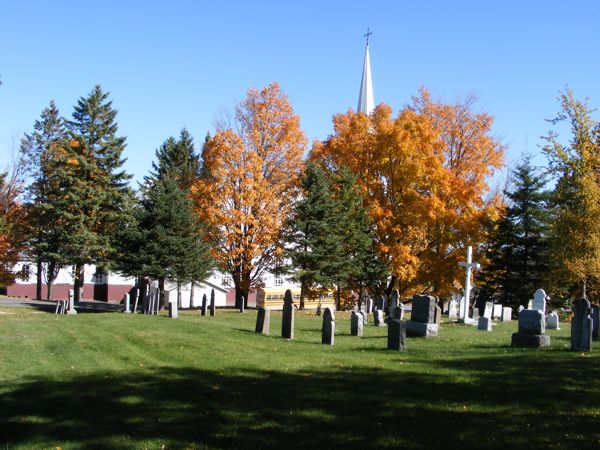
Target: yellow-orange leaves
x=425, y=174
x=252, y=179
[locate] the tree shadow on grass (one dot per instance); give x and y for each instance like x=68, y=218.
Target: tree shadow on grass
x=476, y=403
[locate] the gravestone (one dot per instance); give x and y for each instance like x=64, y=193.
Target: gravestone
x=328, y=328
x=397, y=313
x=484, y=324
x=369, y=305
x=521, y=308
x=581, y=326
x=381, y=303
x=423, y=313
x=552, y=322
x=531, y=330
x=476, y=313
x=497, y=312
x=213, y=306
x=127, y=303
x=71, y=310
x=356, y=324
x=378, y=318
x=365, y=316
x=461, y=308
x=488, y=310
x=453, y=309
x=242, y=304
x=173, y=309
x=394, y=301
x=396, y=335
x=468, y=265
x=263, y=321
x=319, y=310
x=539, y=301
x=136, y=294
x=204, y=308
x=438, y=315
x=595, y=320
x=529, y=305
x=287, y=321
x=506, y=314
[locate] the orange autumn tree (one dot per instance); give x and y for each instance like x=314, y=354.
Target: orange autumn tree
x=251, y=179
x=423, y=181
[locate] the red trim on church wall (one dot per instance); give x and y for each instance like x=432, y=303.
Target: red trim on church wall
x=101, y=292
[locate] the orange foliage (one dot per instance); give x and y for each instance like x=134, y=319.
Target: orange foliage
x=253, y=179
x=424, y=173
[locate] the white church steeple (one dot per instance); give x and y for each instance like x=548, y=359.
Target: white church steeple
x=366, y=103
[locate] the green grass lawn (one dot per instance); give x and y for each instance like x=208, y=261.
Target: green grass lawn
x=109, y=380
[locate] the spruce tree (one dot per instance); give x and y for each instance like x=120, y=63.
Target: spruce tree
x=360, y=266
x=176, y=158
x=94, y=122
x=42, y=227
x=313, y=247
x=167, y=241
x=519, y=251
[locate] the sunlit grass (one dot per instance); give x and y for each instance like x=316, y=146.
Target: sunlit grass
x=109, y=380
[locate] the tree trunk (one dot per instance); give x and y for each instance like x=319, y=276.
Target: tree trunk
x=49, y=287
x=38, y=281
x=302, y=294
x=239, y=294
x=339, y=298
x=78, y=283
x=51, y=275
x=191, y=294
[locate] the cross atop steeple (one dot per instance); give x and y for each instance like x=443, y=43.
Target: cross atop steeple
x=369, y=33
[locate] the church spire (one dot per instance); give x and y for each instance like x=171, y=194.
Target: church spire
x=366, y=103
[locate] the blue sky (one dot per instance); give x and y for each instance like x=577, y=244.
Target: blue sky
x=182, y=63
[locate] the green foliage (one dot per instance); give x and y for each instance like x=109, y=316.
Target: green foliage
x=330, y=242
x=176, y=159
x=518, y=253
x=94, y=122
x=165, y=241
x=575, y=235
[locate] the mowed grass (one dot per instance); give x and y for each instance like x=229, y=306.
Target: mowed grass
x=114, y=381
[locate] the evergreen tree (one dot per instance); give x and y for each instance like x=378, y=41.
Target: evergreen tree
x=176, y=158
x=518, y=253
x=167, y=241
x=94, y=122
x=312, y=245
x=42, y=227
x=360, y=266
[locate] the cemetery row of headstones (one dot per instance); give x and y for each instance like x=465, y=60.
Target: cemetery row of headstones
x=153, y=299
x=425, y=322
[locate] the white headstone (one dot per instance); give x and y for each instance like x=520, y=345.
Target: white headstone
x=506, y=314
x=497, y=313
x=453, y=309
x=487, y=312
x=552, y=322
x=539, y=301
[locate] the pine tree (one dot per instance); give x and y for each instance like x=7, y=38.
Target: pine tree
x=519, y=251
x=94, y=122
x=42, y=228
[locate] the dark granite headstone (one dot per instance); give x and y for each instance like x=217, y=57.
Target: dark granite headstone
x=396, y=335
x=381, y=303
x=397, y=312
x=204, y=308
x=356, y=324
x=595, y=320
x=328, y=329
x=394, y=301
x=581, y=326
x=173, y=310
x=423, y=309
x=263, y=321
x=213, y=306
x=287, y=321
x=319, y=310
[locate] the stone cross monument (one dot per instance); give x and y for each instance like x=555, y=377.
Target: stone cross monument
x=468, y=265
